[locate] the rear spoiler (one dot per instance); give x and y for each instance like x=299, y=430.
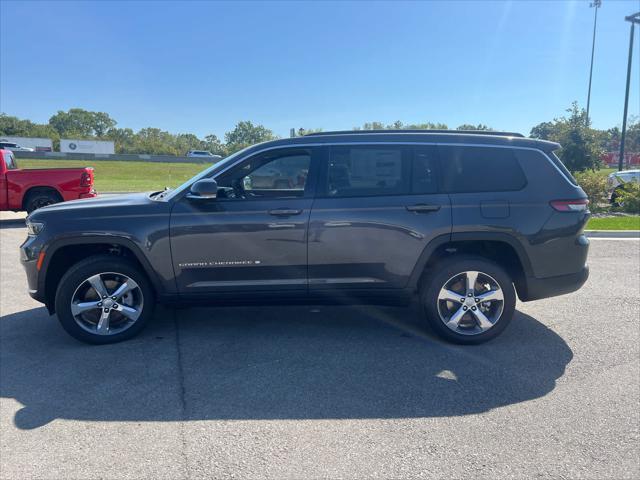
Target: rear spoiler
x=547, y=146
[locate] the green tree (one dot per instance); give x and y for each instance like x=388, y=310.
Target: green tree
x=13, y=126
x=213, y=144
x=184, y=142
x=469, y=126
x=81, y=123
x=306, y=131
x=632, y=137
x=427, y=126
x=398, y=125
x=123, y=138
x=246, y=133
x=373, y=126
x=581, y=146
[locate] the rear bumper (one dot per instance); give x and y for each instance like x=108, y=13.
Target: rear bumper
x=78, y=193
x=536, y=288
x=90, y=194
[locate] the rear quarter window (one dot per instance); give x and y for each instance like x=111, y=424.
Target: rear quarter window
x=480, y=169
x=558, y=163
x=9, y=161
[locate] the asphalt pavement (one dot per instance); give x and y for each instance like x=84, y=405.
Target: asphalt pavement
x=332, y=392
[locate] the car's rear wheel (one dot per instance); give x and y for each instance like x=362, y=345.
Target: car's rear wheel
x=468, y=299
x=104, y=299
x=41, y=198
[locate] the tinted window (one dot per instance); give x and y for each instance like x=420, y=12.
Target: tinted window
x=284, y=173
x=480, y=169
x=275, y=174
x=558, y=163
x=424, y=175
x=9, y=161
x=367, y=170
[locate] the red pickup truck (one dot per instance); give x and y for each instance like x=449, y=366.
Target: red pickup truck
x=34, y=188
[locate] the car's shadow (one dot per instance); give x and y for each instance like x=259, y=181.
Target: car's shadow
x=271, y=363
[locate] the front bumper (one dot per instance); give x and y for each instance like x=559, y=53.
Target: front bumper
x=536, y=288
x=29, y=252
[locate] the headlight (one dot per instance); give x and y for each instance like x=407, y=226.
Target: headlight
x=34, y=228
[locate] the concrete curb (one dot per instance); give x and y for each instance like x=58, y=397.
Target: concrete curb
x=612, y=233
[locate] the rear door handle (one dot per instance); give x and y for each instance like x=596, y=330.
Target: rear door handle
x=284, y=212
x=423, y=208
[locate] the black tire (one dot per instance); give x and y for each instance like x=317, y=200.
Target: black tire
x=89, y=267
x=449, y=268
x=40, y=198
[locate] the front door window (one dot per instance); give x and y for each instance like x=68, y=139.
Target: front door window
x=279, y=175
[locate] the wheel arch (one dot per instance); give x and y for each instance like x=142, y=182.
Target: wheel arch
x=46, y=188
x=501, y=248
x=64, y=253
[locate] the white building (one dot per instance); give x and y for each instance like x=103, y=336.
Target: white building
x=87, y=146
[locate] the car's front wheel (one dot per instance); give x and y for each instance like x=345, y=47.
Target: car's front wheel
x=104, y=299
x=468, y=299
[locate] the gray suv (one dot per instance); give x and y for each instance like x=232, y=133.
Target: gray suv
x=462, y=222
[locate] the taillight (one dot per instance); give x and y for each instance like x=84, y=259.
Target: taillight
x=85, y=179
x=570, y=205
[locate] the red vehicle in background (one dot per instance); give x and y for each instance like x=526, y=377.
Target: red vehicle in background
x=30, y=189
x=631, y=159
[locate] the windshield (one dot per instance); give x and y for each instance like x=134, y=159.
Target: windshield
x=206, y=173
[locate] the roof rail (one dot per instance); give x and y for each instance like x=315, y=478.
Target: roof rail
x=459, y=132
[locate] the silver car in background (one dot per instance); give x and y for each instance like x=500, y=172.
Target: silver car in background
x=616, y=180
x=202, y=154
x=14, y=147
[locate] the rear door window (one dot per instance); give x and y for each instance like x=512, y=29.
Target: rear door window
x=368, y=170
x=424, y=173
x=480, y=169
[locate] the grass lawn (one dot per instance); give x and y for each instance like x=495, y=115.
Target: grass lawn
x=614, y=223
x=126, y=176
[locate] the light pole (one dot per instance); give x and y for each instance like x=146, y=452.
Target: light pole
x=635, y=18
x=595, y=4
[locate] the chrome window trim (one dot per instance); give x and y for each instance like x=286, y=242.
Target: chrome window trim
x=202, y=175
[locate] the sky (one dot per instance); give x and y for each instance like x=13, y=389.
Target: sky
x=201, y=67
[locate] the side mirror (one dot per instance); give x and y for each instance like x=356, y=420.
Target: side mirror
x=203, y=190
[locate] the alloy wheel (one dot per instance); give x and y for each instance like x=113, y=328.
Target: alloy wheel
x=107, y=303
x=470, y=303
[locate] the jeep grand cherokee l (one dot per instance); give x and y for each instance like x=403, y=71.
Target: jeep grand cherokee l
x=461, y=221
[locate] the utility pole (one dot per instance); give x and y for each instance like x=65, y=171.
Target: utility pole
x=595, y=4
x=635, y=18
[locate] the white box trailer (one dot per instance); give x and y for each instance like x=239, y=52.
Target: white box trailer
x=87, y=146
x=38, y=144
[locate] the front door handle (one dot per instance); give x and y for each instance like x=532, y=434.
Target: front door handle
x=423, y=208
x=284, y=212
